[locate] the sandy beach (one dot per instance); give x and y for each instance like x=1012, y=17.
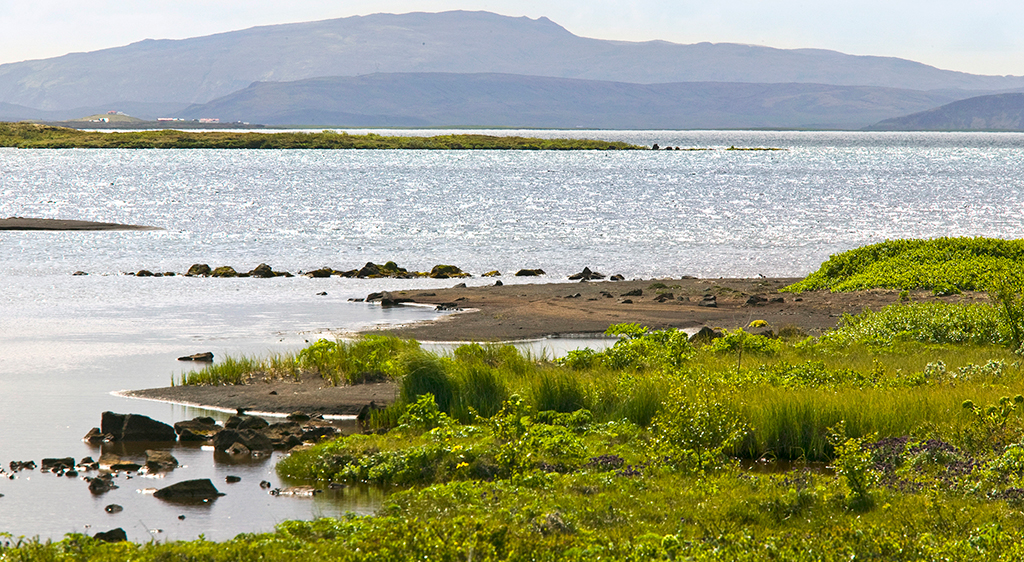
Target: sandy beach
x=23, y=223
x=518, y=312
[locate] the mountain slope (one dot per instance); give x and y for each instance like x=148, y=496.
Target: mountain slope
x=200, y=69
x=502, y=100
x=1000, y=112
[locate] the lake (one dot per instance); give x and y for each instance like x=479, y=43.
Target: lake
x=67, y=342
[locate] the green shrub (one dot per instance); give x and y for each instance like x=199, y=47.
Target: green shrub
x=425, y=374
x=925, y=322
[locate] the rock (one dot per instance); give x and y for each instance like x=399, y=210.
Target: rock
x=87, y=464
x=189, y=489
x=446, y=271
x=246, y=422
x=298, y=417
x=249, y=438
x=705, y=335
x=607, y=295
x=206, y=356
x=113, y=508
x=232, y=479
x=190, y=436
x=776, y=300
x=238, y=450
x=94, y=436
x=79, y=273
x=18, y=466
x=493, y=273
x=298, y=491
x=459, y=286
x=101, y=484
x=318, y=433
x=763, y=331
x=575, y=296
x=262, y=271
x=144, y=273
x=320, y=273
x=626, y=301
x=199, y=270
x=265, y=485
x=369, y=270
x=134, y=427
x=204, y=424
x=655, y=146
x=616, y=277
x=530, y=272
x=586, y=275
x=224, y=271
x=322, y=294
x=664, y=297
x=756, y=300
x=709, y=301
x=54, y=465
x=113, y=535
x=498, y=283
x=633, y=293
x=284, y=435
x=160, y=461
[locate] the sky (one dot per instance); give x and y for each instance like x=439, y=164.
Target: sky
x=976, y=37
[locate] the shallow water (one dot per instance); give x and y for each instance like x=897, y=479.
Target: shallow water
x=67, y=342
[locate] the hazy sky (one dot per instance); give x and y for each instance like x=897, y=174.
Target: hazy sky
x=978, y=37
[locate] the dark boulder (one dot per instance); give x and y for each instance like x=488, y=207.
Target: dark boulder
x=101, y=484
x=199, y=270
x=238, y=450
x=616, y=277
x=492, y=273
x=113, y=535
x=160, y=461
x=705, y=335
x=284, y=435
x=709, y=301
x=446, y=271
x=318, y=433
x=224, y=271
x=18, y=466
x=113, y=508
x=776, y=300
x=321, y=273
x=94, y=436
x=529, y=272
x=206, y=357
x=55, y=465
x=189, y=489
x=144, y=273
x=250, y=438
x=633, y=293
x=586, y=275
x=134, y=427
x=664, y=297
x=756, y=300
x=369, y=270
x=231, y=479
x=298, y=417
x=262, y=271
x=246, y=422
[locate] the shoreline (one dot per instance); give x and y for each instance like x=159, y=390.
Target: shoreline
x=511, y=313
x=24, y=223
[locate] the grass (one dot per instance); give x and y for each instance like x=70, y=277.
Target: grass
x=29, y=135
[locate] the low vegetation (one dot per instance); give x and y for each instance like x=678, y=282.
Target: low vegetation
x=29, y=135
x=943, y=265
x=897, y=436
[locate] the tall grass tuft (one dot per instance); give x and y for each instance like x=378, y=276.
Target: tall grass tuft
x=229, y=371
x=425, y=374
x=558, y=391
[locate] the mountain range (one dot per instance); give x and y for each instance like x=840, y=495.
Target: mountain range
x=479, y=69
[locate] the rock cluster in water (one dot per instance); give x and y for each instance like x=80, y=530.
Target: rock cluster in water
x=389, y=270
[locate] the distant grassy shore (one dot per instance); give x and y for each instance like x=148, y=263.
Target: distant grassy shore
x=32, y=135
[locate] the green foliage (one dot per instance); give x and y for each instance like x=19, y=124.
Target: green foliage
x=739, y=341
x=560, y=392
x=695, y=428
x=28, y=135
x=853, y=463
x=369, y=359
x=425, y=374
x=1007, y=293
x=926, y=322
x=943, y=265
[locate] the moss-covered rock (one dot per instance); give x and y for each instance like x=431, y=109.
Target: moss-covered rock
x=199, y=270
x=529, y=272
x=493, y=273
x=446, y=271
x=224, y=271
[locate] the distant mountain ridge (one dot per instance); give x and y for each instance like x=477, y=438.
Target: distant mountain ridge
x=504, y=100
x=202, y=69
x=1000, y=112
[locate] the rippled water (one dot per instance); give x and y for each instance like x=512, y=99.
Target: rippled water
x=66, y=342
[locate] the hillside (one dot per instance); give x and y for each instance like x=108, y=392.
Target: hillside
x=1000, y=112
x=201, y=69
x=502, y=100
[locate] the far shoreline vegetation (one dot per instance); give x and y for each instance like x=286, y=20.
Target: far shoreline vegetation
x=31, y=135
x=899, y=435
